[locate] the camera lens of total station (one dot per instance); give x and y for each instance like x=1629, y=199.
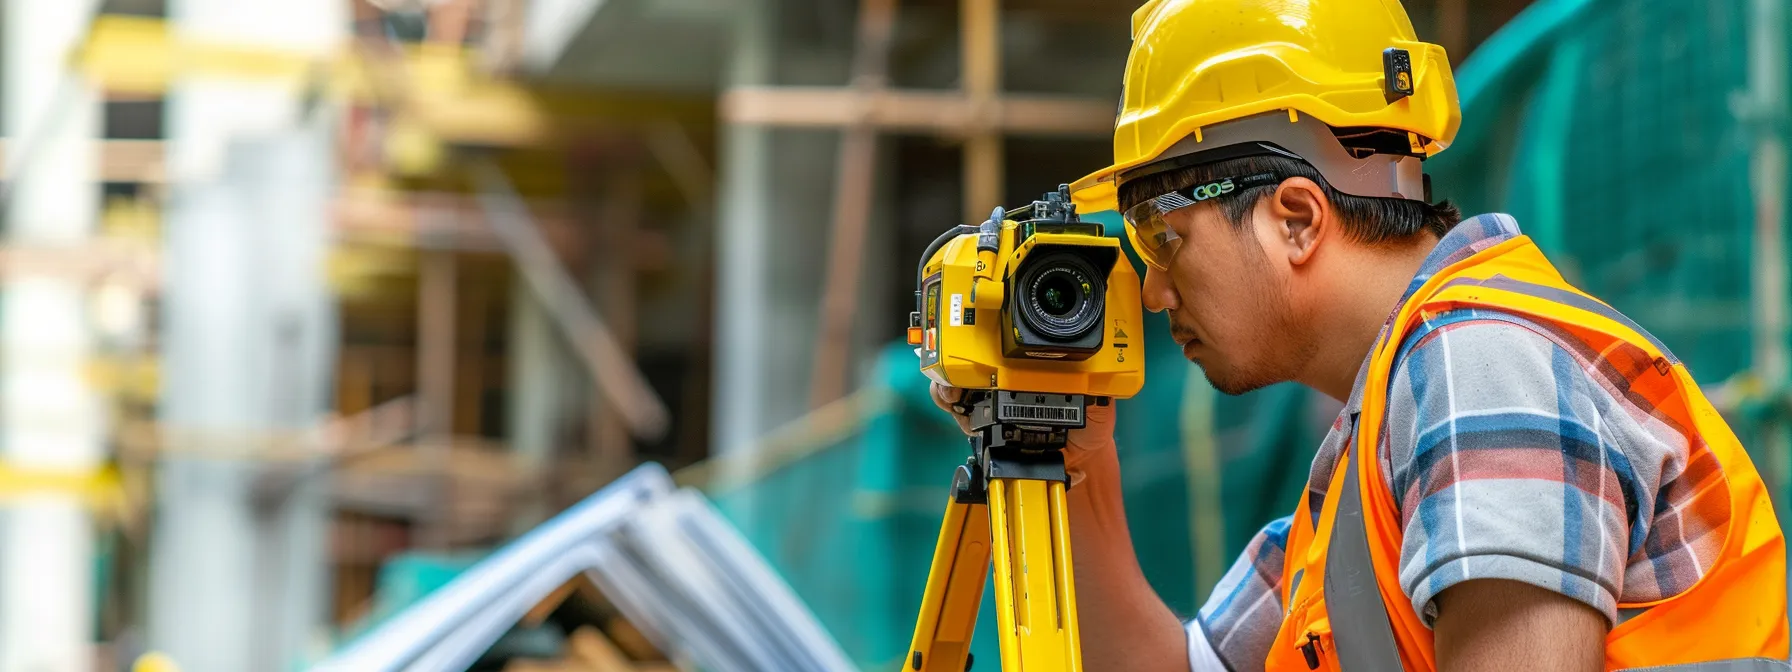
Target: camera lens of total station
x=1063, y=296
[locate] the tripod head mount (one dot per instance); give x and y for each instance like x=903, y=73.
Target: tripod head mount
x=1017, y=435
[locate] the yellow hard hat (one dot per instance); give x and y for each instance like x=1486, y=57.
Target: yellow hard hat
x=1346, y=63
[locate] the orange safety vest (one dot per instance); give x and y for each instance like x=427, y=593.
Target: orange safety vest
x=1736, y=613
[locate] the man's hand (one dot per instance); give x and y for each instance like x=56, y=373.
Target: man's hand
x=1494, y=625
x=1095, y=436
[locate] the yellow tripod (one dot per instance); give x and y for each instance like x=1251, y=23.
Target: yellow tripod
x=1007, y=500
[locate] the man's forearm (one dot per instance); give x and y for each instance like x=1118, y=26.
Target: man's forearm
x=1125, y=625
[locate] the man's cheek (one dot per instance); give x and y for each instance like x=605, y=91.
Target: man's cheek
x=1187, y=285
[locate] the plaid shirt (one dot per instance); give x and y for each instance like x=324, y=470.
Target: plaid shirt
x=1512, y=453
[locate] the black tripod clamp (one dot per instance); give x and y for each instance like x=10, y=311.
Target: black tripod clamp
x=1017, y=435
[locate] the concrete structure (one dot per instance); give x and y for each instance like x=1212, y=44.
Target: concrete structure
x=248, y=336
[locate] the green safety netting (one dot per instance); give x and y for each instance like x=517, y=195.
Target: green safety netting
x=1617, y=132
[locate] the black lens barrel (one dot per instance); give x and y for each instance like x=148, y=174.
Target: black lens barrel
x=1061, y=295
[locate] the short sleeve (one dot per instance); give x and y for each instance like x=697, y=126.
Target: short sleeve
x=1201, y=656
x=1499, y=452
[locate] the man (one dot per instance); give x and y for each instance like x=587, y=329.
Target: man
x=1521, y=478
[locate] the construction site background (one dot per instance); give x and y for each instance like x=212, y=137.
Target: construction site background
x=307, y=305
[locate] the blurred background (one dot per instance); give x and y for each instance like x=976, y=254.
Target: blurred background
x=308, y=305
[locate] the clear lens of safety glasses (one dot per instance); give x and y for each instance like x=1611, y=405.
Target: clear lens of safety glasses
x=1152, y=238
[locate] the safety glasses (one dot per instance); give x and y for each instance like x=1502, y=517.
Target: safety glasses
x=1149, y=230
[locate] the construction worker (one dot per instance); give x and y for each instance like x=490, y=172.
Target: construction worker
x=1521, y=478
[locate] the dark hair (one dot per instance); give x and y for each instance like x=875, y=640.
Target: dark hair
x=1367, y=220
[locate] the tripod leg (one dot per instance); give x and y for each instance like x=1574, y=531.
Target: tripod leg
x=1035, y=596
x=954, y=591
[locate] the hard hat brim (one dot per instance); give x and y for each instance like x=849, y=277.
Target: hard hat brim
x=1096, y=191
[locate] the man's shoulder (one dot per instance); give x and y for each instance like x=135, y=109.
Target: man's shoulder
x=1480, y=334
x=1477, y=362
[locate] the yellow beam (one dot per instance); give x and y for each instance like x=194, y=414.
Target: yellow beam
x=97, y=487
x=437, y=91
x=141, y=56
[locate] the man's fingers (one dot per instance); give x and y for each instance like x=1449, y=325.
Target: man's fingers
x=1099, y=414
x=945, y=397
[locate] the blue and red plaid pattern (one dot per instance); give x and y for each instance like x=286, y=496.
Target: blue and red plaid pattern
x=1514, y=452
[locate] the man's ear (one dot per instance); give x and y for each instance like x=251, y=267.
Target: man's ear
x=1303, y=217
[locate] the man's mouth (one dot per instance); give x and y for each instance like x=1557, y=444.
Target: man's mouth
x=1183, y=336
x=1187, y=340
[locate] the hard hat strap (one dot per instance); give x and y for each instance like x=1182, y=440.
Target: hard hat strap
x=1292, y=136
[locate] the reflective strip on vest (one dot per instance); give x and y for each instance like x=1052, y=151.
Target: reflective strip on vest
x=1733, y=665
x=1363, y=637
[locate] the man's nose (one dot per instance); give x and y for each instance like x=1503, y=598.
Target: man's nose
x=1157, y=293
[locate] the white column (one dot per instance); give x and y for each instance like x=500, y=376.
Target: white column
x=545, y=380
x=247, y=334
x=774, y=221
x=744, y=246
x=50, y=419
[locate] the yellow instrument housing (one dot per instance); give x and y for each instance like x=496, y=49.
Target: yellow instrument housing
x=963, y=321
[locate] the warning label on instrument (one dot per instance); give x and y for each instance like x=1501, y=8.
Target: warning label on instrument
x=957, y=314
